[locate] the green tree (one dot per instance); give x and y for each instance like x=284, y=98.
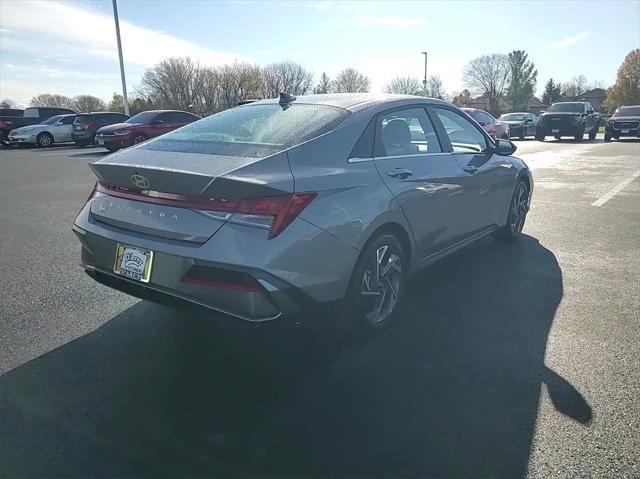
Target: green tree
x=551, y=92
x=325, y=85
x=116, y=103
x=523, y=77
x=626, y=89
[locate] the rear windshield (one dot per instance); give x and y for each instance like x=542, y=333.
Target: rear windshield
x=83, y=118
x=254, y=130
x=628, y=111
x=513, y=117
x=144, y=117
x=566, y=108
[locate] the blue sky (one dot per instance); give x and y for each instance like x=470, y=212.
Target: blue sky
x=69, y=47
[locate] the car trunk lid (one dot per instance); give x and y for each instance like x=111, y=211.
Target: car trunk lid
x=185, y=196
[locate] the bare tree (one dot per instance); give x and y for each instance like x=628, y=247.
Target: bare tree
x=488, y=75
x=88, y=103
x=286, y=76
x=575, y=87
x=436, y=87
x=325, y=85
x=351, y=80
x=52, y=100
x=173, y=83
x=7, y=103
x=463, y=98
x=233, y=83
x=404, y=86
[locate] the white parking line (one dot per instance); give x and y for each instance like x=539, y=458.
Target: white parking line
x=58, y=153
x=615, y=190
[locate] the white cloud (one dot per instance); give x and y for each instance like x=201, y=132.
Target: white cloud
x=572, y=40
x=81, y=32
x=390, y=21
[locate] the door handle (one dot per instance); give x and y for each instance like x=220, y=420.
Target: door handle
x=470, y=169
x=400, y=173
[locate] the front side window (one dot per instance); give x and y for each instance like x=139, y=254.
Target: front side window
x=52, y=121
x=405, y=132
x=145, y=117
x=463, y=135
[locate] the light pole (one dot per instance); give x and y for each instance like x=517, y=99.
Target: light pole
x=424, y=82
x=124, y=82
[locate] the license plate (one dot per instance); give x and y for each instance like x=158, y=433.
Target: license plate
x=624, y=130
x=100, y=141
x=133, y=263
x=556, y=130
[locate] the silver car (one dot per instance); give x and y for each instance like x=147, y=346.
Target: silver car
x=56, y=129
x=283, y=204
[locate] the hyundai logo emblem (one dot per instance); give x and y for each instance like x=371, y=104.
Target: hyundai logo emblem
x=140, y=181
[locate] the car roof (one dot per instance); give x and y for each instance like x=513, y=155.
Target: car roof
x=348, y=101
x=101, y=113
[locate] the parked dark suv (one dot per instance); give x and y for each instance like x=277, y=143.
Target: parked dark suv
x=86, y=125
x=571, y=118
x=625, y=122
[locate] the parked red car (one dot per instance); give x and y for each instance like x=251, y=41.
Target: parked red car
x=141, y=127
x=495, y=128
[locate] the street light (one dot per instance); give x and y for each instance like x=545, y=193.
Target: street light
x=124, y=82
x=424, y=82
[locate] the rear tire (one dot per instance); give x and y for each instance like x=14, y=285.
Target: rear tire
x=111, y=150
x=44, y=140
x=579, y=136
x=607, y=137
x=375, y=292
x=517, y=213
x=539, y=136
x=593, y=133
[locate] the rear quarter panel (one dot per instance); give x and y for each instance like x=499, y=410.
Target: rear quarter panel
x=352, y=200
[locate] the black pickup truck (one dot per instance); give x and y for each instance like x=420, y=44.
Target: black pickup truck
x=573, y=118
x=12, y=119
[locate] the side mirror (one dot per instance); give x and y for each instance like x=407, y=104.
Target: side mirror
x=504, y=148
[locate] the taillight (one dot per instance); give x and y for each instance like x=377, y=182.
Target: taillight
x=89, y=124
x=2, y=124
x=272, y=212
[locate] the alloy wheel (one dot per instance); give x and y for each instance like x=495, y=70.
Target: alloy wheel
x=138, y=139
x=381, y=284
x=519, y=209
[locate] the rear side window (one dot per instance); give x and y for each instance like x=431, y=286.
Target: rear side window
x=67, y=120
x=463, y=135
x=244, y=129
x=404, y=133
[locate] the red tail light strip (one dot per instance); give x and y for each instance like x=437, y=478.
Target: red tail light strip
x=282, y=208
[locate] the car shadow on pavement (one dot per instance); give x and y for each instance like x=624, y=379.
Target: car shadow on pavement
x=452, y=390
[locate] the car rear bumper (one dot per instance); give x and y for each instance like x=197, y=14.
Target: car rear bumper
x=238, y=271
x=82, y=135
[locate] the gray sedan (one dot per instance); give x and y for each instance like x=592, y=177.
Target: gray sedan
x=283, y=204
x=56, y=129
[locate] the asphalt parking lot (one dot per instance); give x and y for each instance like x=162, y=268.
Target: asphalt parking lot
x=516, y=360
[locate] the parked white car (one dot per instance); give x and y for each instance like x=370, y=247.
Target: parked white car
x=56, y=129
